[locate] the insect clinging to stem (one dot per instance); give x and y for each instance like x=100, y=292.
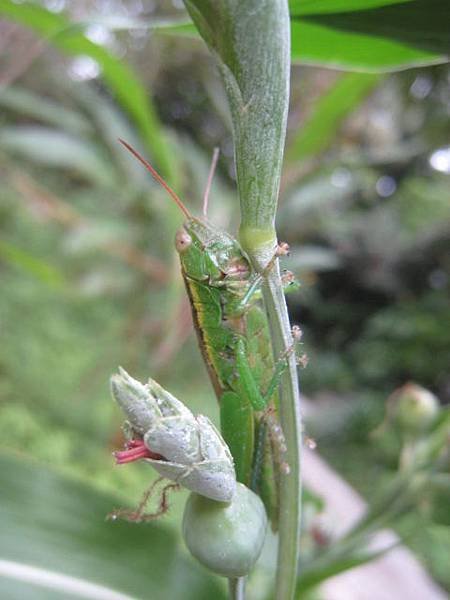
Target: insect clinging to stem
x=233, y=335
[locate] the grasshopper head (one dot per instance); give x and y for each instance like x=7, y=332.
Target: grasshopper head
x=207, y=253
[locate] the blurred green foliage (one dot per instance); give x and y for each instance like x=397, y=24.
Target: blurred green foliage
x=56, y=522
x=89, y=281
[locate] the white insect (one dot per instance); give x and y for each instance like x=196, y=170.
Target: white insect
x=182, y=447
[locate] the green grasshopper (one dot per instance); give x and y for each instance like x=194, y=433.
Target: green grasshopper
x=233, y=335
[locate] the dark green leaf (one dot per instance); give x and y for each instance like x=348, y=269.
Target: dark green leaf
x=316, y=7
x=422, y=24
x=384, y=38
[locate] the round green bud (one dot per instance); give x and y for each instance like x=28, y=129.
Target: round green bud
x=226, y=538
x=415, y=408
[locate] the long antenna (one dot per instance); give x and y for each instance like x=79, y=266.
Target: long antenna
x=212, y=170
x=157, y=177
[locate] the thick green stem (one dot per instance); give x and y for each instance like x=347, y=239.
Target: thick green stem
x=261, y=245
x=290, y=483
x=290, y=492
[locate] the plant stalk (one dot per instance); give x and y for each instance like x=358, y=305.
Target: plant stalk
x=236, y=588
x=290, y=419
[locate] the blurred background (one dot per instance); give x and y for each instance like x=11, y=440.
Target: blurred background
x=89, y=276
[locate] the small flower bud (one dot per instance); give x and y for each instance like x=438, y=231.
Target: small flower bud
x=134, y=399
x=414, y=408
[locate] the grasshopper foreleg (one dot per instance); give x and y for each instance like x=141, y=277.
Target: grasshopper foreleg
x=254, y=286
x=268, y=415
x=282, y=250
x=282, y=364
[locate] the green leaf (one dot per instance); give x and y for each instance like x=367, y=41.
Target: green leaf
x=374, y=37
x=123, y=82
x=316, y=7
x=56, y=543
x=329, y=112
x=420, y=23
x=111, y=124
x=36, y=267
x=55, y=148
x=365, y=35
x=47, y=111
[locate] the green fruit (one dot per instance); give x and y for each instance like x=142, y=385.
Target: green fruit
x=226, y=538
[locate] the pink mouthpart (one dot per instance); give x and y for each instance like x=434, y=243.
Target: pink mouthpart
x=136, y=449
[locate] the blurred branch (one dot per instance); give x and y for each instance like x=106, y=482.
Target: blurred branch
x=174, y=338
x=22, y=52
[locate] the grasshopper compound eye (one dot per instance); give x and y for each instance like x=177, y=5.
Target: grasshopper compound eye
x=182, y=240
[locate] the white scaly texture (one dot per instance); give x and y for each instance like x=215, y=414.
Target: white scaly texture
x=195, y=454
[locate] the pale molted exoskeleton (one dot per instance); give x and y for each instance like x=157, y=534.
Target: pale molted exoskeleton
x=182, y=447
